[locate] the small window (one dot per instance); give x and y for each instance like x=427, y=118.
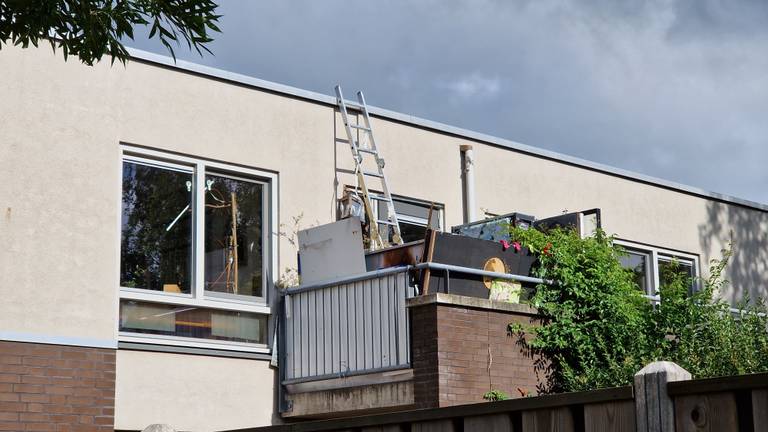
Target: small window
x=192, y=322
x=638, y=262
x=684, y=267
x=194, y=253
x=652, y=266
x=413, y=217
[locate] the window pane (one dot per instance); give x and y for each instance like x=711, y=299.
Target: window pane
x=233, y=236
x=156, y=245
x=193, y=322
x=668, y=270
x=637, y=263
x=412, y=232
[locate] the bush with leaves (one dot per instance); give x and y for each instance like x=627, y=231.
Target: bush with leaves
x=592, y=319
x=596, y=329
x=495, y=395
x=94, y=28
x=702, y=334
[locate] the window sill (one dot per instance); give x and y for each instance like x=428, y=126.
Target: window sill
x=172, y=349
x=188, y=300
x=174, y=343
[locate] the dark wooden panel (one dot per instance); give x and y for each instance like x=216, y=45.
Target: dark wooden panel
x=760, y=409
x=548, y=420
x=488, y=423
x=390, y=428
x=610, y=416
x=474, y=253
x=712, y=385
x=433, y=426
x=707, y=412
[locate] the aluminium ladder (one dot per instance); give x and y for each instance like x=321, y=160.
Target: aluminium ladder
x=366, y=145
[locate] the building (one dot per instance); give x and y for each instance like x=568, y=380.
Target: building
x=87, y=155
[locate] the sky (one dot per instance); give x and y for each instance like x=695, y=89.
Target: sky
x=675, y=89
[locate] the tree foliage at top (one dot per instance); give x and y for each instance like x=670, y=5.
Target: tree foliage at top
x=90, y=29
x=596, y=329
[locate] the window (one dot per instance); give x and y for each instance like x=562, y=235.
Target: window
x=195, y=255
x=412, y=216
x=651, y=265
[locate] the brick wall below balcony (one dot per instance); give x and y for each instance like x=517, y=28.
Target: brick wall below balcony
x=56, y=387
x=461, y=350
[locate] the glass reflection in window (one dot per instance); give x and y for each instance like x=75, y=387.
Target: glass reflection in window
x=156, y=237
x=234, y=236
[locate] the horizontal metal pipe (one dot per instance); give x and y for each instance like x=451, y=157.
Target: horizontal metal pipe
x=346, y=280
x=469, y=270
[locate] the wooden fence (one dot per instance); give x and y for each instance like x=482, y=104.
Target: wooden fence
x=663, y=399
x=738, y=403
x=599, y=410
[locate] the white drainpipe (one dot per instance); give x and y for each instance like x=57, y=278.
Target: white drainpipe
x=470, y=212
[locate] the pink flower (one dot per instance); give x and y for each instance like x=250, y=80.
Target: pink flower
x=517, y=246
x=504, y=244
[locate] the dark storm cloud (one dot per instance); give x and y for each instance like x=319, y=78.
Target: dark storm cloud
x=674, y=89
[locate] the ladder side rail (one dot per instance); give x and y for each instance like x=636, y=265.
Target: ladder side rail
x=375, y=235
x=391, y=213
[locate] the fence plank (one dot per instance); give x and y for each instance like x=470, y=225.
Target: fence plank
x=389, y=428
x=488, y=423
x=654, y=408
x=548, y=420
x=610, y=416
x=706, y=412
x=760, y=409
x=433, y=426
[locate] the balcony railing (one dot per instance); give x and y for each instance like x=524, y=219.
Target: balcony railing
x=348, y=326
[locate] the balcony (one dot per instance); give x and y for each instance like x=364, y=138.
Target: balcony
x=375, y=342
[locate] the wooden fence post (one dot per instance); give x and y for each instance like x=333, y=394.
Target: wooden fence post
x=655, y=410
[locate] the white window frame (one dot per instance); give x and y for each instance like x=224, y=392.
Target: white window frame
x=439, y=209
x=654, y=254
x=198, y=296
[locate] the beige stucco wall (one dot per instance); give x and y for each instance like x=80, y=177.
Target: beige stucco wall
x=192, y=392
x=61, y=125
x=509, y=181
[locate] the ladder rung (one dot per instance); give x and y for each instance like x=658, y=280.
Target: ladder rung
x=353, y=105
x=372, y=174
x=357, y=126
x=367, y=150
x=379, y=198
x=386, y=222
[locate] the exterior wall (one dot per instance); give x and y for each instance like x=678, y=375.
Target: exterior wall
x=461, y=350
x=56, y=387
x=62, y=125
x=508, y=181
x=192, y=392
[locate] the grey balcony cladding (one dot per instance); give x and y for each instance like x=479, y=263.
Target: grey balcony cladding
x=347, y=328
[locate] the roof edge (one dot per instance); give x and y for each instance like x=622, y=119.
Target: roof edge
x=186, y=66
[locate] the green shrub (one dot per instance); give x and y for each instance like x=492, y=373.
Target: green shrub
x=596, y=329
x=495, y=395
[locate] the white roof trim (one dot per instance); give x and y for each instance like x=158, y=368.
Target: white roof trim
x=208, y=71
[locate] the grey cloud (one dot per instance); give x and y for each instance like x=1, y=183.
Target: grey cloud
x=674, y=89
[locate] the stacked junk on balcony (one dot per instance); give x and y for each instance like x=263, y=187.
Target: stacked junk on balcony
x=477, y=259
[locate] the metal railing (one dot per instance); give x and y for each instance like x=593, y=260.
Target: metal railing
x=347, y=326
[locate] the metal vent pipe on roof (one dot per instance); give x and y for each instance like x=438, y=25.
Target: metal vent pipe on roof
x=468, y=171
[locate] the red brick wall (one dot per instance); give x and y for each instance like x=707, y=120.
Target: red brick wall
x=460, y=353
x=56, y=387
x=424, y=356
